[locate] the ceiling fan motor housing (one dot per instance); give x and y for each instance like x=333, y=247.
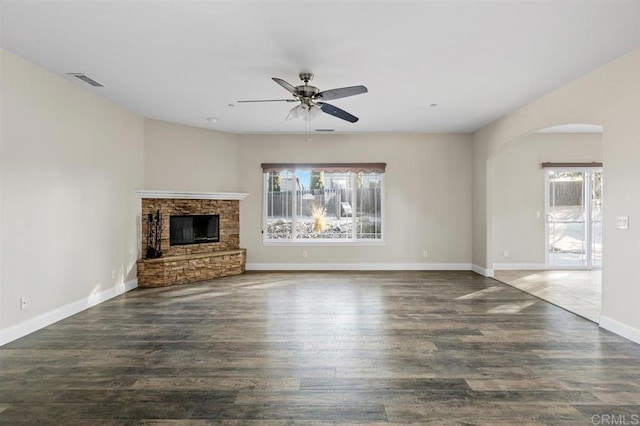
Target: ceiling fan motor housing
x=306, y=91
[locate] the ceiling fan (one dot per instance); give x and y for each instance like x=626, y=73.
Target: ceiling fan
x=312, y=99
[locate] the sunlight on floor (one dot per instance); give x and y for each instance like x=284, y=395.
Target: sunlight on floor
x=576, y=291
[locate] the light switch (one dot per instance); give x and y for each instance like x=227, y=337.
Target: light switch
x=622, y=222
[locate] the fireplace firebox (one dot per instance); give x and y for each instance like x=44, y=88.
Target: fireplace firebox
x=194, y=229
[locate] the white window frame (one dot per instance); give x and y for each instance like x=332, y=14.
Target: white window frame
x=335, y=242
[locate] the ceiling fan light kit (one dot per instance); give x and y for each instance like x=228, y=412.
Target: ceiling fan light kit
x=305, y=111
x=312, y=99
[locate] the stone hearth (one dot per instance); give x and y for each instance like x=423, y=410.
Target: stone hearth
x=182, y=264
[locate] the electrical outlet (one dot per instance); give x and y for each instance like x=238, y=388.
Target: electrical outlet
x=425, y=253
x=622, y=222
x=113, y=274
x=304, y=253
x=506, y=253
x=23, y=303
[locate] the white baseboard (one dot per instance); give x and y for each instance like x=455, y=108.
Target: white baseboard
x=358, y=267
x=482, y=271
x=519, y=266
x=17, y=331
x=621, y=329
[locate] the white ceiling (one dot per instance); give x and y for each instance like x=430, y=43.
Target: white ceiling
x=185, y=61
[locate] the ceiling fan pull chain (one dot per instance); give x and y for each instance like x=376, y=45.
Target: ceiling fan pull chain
x=308, y=130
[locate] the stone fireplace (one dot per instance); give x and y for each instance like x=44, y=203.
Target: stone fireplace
x=200, y=238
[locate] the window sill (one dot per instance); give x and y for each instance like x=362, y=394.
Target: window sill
x=324, y=243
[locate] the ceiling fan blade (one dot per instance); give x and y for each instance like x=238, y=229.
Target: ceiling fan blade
x=286, y=85
x=343, y=92
x=337, y=112
x=268, y=100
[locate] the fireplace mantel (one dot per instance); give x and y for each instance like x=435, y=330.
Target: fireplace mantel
x=191, y=195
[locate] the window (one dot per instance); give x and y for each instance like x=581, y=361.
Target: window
x=330, y=203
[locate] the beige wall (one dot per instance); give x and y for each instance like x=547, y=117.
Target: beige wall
x=70, y=163
x=427, y=196
x=189, y=159
x=609, y=97
x=518, y=190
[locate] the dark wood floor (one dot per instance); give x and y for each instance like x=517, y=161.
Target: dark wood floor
x=316, y=348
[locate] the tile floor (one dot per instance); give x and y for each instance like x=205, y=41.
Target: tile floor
x=579, y=292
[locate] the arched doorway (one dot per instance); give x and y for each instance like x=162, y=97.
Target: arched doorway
x=546, y=220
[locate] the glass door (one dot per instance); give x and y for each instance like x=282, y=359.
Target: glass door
x=596, y=218
x=574, y=218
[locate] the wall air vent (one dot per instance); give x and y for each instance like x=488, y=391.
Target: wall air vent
x=324, y=130
x=86, y=79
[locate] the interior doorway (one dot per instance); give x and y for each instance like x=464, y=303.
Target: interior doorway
x=573, y=211
x=547, y=221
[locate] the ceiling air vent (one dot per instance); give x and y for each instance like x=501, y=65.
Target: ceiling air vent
x=86, y=79
x=324, y=130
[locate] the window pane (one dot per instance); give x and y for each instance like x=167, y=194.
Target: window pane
x=320, y=205
x=279, y=204
x=322, y=200
x=368, y=196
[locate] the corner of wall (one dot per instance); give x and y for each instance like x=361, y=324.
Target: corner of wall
x=482, y=271
x=621, y=329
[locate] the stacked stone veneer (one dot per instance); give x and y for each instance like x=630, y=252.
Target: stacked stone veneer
x=229, y=211
x=190, y=268
x=193, y=262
